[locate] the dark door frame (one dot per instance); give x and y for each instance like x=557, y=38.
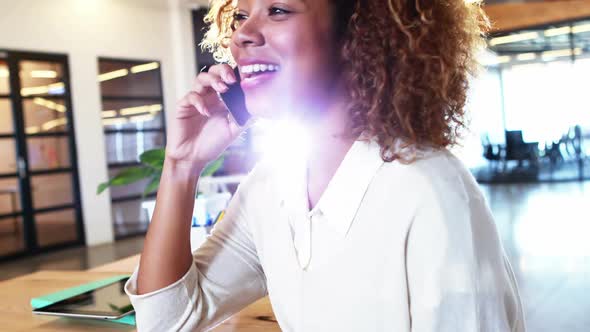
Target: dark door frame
x=162, y=130
x=27, y=209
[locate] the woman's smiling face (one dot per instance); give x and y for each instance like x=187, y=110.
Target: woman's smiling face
x=286, y=54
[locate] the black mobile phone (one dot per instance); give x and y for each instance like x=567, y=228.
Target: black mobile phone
x=235, y=101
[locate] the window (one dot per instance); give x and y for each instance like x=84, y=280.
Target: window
x=544, y=79
x=542, y=75
x=133, y=122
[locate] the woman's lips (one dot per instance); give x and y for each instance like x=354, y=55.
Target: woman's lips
x=253, y=81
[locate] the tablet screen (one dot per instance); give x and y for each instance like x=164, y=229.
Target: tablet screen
x=107, y=301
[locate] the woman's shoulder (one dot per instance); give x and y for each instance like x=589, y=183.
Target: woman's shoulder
x=436, y=174
x=257, y=178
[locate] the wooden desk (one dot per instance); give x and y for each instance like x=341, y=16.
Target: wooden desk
x=16, y=316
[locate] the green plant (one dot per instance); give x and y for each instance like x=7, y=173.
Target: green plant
x=152, y=162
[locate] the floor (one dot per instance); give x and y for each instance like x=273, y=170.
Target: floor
x=81, y=258
x=49, y=232
x=545, y=229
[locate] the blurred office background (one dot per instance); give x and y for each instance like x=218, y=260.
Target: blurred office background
x=87, y=85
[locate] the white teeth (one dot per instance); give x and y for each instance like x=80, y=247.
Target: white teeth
x=258, y=68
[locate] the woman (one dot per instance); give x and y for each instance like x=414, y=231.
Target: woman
x=378, y=227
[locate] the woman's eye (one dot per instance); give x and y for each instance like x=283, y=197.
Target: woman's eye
x=273, y=11
x=237, y=20
x=239, y=17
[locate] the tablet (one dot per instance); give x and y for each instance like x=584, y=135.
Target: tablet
x=107, y=302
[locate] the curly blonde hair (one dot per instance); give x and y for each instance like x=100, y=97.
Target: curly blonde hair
x=415, y=56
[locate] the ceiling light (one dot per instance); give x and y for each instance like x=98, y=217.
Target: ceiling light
x=557, y=31
x=109, y=114
x=114, y=121
x=141, y=118
x=526, y=56
x=112, y=75
x=567, y=30
x=35, y=90
x=548, y=55
x=50, y=104
x=145, y=67
x=581, y=28
x=492, y=61
x=141, y=109
x=56, y=88
x=135, y=110
x=43, y=74
x=514, y=38
x=54, y=123
x=32, y=130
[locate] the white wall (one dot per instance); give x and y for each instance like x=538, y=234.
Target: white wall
x=85, y=30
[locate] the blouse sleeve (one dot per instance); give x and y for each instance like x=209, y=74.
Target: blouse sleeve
x=458, y=277
x=226, y=276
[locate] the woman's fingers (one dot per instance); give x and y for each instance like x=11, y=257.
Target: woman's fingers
x=207, y=81
x=191, y=102
x=197, y=101
x=225, y=72
x=204, y=93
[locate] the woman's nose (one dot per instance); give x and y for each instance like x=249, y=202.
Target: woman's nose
x=248, y=33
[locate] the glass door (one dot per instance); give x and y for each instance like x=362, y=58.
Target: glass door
x=12, y=239
x=39, y=195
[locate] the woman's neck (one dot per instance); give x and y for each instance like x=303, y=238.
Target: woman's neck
x=329, y=134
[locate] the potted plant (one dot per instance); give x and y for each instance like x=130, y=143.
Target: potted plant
x=152, y=162
x=207, y=209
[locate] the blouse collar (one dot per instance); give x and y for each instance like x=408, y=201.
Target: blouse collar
x=340, y=201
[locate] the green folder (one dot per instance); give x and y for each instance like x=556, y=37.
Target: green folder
x=48, y=299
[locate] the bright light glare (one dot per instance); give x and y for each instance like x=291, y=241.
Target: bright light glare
x=286, y=140
x=557, y=232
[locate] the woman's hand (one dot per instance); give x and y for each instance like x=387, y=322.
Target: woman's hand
x=201, y=129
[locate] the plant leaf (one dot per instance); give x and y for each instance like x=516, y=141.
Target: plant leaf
x=154, y=158
x=131, y=175
x=213, y=167
x=153, y=185
x=102, y=187
x=127, y=176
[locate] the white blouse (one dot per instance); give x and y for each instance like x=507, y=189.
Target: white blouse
x=388, y=247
